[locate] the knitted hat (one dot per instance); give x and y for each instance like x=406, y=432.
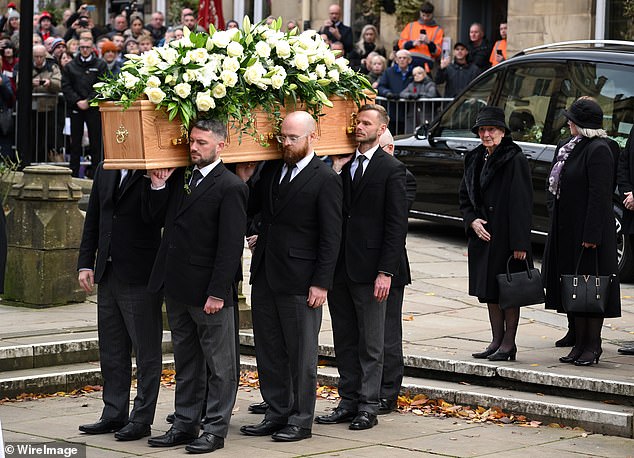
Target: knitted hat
x=13, y=14
x=490, y=116
x=585, y=113
x=57, y=42
x=45, y=15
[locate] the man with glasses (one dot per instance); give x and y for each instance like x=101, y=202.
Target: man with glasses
x=393, y=81
x=78, y=78
x=299, y=200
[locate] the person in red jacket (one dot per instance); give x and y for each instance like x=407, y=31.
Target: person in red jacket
x=423, y=38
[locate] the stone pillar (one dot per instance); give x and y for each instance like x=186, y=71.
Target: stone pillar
x=44, y=228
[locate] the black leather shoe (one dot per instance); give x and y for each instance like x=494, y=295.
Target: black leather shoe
x=265, y=428
x=103, y=426
x=291, y=433
x=387, y=406
x=626, y=350
x=339, y=415
x=170, y=418
x=171, y=438
x=486, y=353
x=132, y=432
x=363, y=420
x=259, y=407
x=206, y=443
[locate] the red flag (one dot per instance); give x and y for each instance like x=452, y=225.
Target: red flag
x=210, y=12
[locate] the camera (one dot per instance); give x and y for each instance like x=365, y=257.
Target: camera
x=83, y=22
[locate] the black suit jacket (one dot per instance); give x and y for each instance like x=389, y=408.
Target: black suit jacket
x=119, y=229
x=300, y=233
x=203, y=236
x=375, y=222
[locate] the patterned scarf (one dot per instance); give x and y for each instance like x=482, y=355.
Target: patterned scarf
x=562, y=156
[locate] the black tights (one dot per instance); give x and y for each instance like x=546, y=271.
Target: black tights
x=503, y=326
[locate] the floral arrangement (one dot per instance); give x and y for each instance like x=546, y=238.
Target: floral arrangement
x=226, y=75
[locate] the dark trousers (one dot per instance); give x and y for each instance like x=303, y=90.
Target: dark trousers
x=358, y=323
x=200, y=338
x=286, y=332
x=92, y=119
x=129, y=317
x=393, y=349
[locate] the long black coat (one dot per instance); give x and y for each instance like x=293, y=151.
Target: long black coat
x=583, y=213
x=499, y=191
x=625, y=180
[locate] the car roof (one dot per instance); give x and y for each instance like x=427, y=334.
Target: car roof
x=612, y=51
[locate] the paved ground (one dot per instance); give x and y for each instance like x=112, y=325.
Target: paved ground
x=440, y=320
x=396, y=435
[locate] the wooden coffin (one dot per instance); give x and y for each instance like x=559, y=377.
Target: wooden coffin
x=142, y=137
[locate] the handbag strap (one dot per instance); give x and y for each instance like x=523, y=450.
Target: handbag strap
x=508, y=271
x=596, y=262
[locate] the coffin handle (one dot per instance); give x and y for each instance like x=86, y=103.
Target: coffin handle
x=183, y=139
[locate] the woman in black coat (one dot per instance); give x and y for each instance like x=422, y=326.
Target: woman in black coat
x=582, y=182
x=496, y=200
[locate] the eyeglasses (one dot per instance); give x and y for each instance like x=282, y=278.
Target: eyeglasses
x=289, y=138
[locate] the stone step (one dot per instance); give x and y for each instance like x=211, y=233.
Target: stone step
x=594, y=416
x=29, y=352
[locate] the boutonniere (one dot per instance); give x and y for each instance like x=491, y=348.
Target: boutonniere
x=188, y=177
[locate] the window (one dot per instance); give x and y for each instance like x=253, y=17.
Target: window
x=461, y=116
x=526, y=98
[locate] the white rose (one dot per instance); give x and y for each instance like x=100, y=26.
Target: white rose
x=235, y=49
x=262, y=49
x=333, y=75
x=221, y=38
x=204, y=101
x=228, y=78
x=277, y=80
x=169, y=55
x=219, y=91
x=183, y=90
x=283, y=49
x=301, y=62
x=231, y=64
x=129, y=80
x=198, y=55
x=320, y=70
x=254, y=73
x=155, y=95
x=153, y=81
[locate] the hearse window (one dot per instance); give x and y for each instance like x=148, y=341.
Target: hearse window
x=526, y=97
x=610, y=85
x=458, y=120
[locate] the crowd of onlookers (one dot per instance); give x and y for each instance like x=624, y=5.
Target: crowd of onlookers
x=71, y=54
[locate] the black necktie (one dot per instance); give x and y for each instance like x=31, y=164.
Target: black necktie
x=286, y=179
x=358, y=173
x=196, y=177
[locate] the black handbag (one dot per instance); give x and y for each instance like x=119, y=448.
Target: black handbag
x=518, y=289
x=585, y=293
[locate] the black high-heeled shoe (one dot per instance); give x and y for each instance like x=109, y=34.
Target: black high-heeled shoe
x=486, y=353
x=572, y=356
x=504, y=355
x=594, y=358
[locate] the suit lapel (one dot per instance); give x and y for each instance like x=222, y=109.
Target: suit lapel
x=297, y=183
x=346, y=181
x=128, y=184
x=110, y=183
x=202, y=188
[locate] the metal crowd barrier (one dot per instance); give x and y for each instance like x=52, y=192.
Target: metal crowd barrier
x=406, y=115
x=48, y=120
